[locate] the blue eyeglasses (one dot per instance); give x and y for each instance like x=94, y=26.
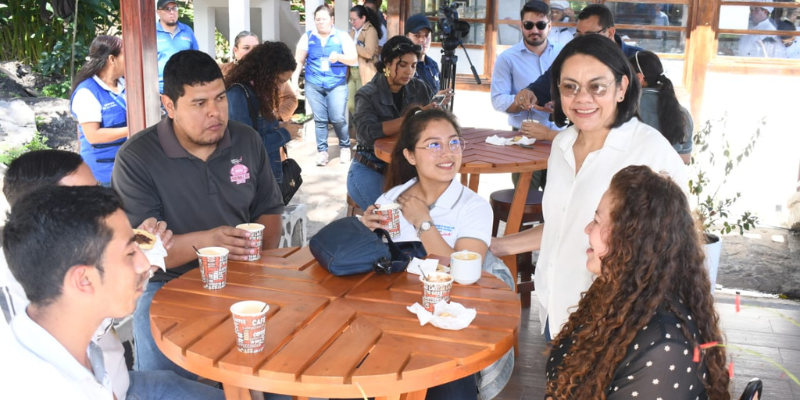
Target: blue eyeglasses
x=456, y=145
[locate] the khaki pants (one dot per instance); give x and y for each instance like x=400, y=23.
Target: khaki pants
x=353, y=84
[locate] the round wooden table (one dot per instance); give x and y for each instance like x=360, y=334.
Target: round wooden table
x=480, y=157
x=326, y=334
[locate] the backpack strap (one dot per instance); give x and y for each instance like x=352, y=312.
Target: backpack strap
x=250, y=106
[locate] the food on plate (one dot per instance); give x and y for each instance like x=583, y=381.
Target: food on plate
x=517, y=138
x=144, y=239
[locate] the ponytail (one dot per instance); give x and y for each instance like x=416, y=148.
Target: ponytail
x=672, y=121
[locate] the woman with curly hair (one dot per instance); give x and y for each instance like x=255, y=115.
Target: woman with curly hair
x=659, y=105
x=636, y=328
x=380, y=105
x=254, y=88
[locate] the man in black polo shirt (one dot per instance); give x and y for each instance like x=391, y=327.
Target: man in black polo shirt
x=200, y=173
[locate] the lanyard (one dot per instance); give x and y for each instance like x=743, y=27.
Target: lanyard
x=119, y=99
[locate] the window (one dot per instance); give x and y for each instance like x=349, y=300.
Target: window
x=769, y=31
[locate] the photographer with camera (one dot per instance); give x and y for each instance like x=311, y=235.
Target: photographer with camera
x=419, y=30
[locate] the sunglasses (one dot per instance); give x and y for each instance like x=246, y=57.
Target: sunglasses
x=540, y=25
x=579, y=34
x=405, y=47
x=595, y=89
x=170, y=9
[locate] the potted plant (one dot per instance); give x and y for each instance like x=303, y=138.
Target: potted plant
x=713, y=208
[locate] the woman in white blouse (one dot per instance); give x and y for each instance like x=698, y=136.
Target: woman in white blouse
x=596, y=90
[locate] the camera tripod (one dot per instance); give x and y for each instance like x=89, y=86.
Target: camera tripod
x=449, y=62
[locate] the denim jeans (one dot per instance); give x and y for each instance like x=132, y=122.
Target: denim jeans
x=329, y=105
x=166, y=385
x=364, y=184
x=463, y=389
x=148, y=355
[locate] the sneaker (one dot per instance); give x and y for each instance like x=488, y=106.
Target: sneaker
x=322, y=158
x=344, y=155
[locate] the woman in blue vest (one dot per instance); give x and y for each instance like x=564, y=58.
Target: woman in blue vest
x=254, y=88
x=326, y=53
x=98, y=104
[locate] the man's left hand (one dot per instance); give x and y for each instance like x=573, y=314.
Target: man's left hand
x=158, y=228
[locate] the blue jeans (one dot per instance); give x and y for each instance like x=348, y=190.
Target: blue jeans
x=329, y=105
x=463, y=389
x=166, y=385
x=547, y=336
x=148, y=356
x=364, y=184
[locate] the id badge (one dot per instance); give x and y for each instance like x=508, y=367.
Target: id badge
x=324, y=64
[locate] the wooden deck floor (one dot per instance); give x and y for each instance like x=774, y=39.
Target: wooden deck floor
x=758, y=327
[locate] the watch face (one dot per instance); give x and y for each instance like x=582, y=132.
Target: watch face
x=425, y=226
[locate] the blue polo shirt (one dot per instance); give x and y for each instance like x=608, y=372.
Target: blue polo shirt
x=428, y=72
x=171, y=43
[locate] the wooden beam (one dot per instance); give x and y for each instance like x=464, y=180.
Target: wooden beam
x=700, y=48
x=141, y=63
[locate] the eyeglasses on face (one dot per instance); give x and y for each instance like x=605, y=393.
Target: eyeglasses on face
x=578, y=34
x=456, y=145
x=540, y=25
x=595, y=89
x=169, y=9
x=405, y=47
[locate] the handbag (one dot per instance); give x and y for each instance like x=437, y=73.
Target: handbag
x=292, y=178
x=347, y=247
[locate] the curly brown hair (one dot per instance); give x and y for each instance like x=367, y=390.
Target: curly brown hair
x=654, y=254
x=260, y=69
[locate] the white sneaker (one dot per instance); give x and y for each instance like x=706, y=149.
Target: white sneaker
x=344, y=155
x=322, y=158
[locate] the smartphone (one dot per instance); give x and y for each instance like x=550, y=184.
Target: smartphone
x=438, y=99
x=301, y=121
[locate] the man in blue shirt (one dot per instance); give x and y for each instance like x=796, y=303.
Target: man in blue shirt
x=171, y=36
x=523, y=63
x=594, y=19
x=418, y=29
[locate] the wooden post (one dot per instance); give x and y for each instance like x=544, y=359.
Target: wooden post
x=700, y=49
x=141, y=63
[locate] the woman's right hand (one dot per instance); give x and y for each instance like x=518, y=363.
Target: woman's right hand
x=370, y=219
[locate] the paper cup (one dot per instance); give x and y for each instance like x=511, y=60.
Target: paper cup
x=250, y=325
x=213, y=267
x=436, y=290
x=466, y=267
x=390, y=218
x=257, y=234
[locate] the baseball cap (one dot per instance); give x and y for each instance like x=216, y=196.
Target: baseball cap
x=417, y=22
x=765, y=1
x=559, y=5
x=163, y=3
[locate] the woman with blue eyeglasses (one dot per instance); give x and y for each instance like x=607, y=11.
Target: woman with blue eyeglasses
x=436, y=208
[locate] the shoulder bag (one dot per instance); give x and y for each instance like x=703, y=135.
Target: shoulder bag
x=347, y=247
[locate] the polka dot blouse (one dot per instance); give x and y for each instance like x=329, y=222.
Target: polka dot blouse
x=658, y=364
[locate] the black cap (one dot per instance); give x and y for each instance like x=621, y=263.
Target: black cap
x=417, y=22
x=163, y=3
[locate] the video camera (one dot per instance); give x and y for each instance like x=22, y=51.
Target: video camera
x=451, y=30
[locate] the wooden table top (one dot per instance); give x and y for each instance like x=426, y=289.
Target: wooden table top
x=480, y=157
x=327, y=333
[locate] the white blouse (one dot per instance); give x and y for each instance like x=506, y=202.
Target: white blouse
x=570, y=201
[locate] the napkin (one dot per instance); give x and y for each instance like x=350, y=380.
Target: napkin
x=501, y=141
x=459, y=316
x=428, y=266
x=156, y=255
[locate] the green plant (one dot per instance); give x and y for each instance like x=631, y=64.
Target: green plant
x=38, y=142
x=221, y=47
x=56, y=62
x=25, y=35
x=60, y=90
x=713, y=209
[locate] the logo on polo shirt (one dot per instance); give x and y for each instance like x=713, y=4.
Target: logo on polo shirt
x=445, y=230
x=239, y=172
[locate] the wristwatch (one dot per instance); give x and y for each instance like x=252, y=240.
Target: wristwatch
x=424, y=226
